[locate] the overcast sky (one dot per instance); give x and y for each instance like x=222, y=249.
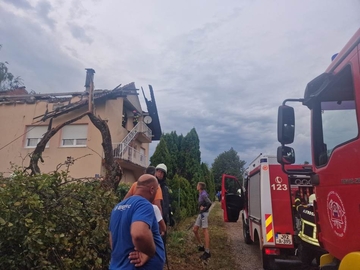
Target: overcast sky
x=222, y=67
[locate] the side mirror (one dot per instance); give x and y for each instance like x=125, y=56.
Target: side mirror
x=286, y=124
x=285, y=155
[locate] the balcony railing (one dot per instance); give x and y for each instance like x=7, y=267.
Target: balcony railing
x=139, y=127
x=142, y=127
x=125, y=152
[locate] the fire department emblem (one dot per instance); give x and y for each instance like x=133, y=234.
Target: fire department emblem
x=278, y=179
x=336, y=213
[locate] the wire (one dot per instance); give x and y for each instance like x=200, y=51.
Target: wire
x=18, y=137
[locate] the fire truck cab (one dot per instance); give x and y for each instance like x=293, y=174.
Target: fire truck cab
x=333, y=99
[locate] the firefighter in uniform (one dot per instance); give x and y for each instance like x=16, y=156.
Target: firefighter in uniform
x=309, y=247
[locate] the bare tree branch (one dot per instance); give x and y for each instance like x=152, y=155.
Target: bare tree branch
x=113, y=170
x=68, y=163
x=95, y=151
x=40, y=147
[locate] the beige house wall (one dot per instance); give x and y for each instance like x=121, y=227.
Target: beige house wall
x=15, y=118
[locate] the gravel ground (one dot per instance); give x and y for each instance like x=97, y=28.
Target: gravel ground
x=183, y=253
x=248, y=256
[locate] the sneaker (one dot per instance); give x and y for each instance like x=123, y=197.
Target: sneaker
x=201, y=248
x=205, y=256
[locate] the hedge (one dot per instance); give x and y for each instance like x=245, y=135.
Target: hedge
x=50, y=222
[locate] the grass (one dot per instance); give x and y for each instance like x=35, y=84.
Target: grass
x=182, y=247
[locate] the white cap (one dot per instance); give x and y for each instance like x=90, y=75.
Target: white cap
x=312, y=198
x=162, y=167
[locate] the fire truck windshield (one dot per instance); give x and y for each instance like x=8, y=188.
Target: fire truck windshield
x=335, y=121
x=339, y=125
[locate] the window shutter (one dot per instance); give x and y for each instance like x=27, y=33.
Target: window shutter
x=74, y=132
x=36, y=131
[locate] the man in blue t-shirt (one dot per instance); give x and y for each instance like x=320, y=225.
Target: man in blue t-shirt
x=134, y=229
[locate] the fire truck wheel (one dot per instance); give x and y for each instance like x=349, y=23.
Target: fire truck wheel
x=246, y=234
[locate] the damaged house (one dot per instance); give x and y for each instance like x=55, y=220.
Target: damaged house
x=77, y=147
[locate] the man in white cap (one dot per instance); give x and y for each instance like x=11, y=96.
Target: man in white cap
x=160, y=174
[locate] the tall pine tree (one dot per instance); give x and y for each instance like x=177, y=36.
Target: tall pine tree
x=173, y=145
x=183, y=159
x=191, y=157
x=161, y=155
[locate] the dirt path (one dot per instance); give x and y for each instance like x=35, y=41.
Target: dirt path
x=247, y=256
x=228, y=248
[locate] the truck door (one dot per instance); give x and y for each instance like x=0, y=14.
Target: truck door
x=336, y=144
x=232, y=199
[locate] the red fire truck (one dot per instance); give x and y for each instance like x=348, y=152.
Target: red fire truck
x=267, y=198
x=334, y=101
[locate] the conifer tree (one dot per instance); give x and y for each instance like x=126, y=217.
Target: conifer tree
x=173, y=145
x=161, y=155
x=191, y=157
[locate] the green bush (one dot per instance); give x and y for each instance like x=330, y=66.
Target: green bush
x=122, y=190
x=183, y=198
x=50, y=222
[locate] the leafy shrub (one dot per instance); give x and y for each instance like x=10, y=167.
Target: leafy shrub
x=183, y=198
x=122, y=190
x=50, y=222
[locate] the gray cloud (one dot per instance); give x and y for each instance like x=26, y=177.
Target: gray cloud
x=231, y=76
x=79, y=33
x=223, y=69
x=23, y=4
x=43, y=8
x=77, y=10
x=37, y=58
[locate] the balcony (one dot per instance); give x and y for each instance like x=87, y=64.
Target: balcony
x=130, y=155
x=143, y=132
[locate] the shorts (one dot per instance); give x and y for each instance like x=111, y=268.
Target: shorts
x=202, y=220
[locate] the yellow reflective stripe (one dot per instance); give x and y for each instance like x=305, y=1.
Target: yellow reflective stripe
x=268, y=221
x=312, y=225
x=311, y=240
x=269, y=235
x=269, y=228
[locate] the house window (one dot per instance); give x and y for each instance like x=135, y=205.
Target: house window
x=34, y=135
x=74, y=136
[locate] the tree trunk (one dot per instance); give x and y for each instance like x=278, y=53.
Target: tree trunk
x=40, y=147
x=113, y=170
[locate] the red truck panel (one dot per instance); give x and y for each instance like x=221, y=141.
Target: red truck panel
x=281, y=203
